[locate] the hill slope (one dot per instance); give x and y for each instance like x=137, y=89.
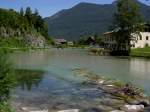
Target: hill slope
x=85, y=19
x=21, y=29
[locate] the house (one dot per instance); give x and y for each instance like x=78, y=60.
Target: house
x=70, y=43
x=138, y=40
x=141, y=40
x=60, y=41
x=91, y=41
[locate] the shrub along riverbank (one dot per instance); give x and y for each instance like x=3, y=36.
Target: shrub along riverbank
x=7, y=82
x=138, y=52
x=141, y=52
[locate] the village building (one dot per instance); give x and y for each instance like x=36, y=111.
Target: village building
x=138, y=40
x=91, y=41
x=70, y=43
x=60, y=41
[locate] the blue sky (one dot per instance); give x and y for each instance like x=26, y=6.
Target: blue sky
x=49, y=7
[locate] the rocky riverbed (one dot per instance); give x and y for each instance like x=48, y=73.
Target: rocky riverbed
x=118, y=97
x=92, y=94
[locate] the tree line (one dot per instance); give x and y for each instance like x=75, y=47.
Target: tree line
x=26, y=21
x=127, y=20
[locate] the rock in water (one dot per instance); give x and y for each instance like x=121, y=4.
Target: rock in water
x=133, y=108
x=100, y=81
x=40, y=111
x=117, y=111
x=71, y=110
x=24, y=108
x=144, y=102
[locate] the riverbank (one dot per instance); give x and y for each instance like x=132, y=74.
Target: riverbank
x=12, y=49
x=140, y=52
x=5, y=107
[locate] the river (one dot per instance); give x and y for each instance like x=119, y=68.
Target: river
x=58, y=83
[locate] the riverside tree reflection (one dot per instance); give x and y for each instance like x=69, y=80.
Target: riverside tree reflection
x=26, y=79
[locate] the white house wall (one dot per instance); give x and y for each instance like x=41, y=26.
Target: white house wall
x=138, y=43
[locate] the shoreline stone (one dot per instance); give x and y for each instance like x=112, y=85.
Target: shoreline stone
x=71, y=110
x=133, y=98
x=97, y=94
x=133, y=108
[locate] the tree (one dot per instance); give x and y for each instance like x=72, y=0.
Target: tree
x=28, y=12
x=28, y=15
x=36, y=13
x=127, y=18
x=21, y=11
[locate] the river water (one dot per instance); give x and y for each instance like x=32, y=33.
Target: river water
x=58, y=83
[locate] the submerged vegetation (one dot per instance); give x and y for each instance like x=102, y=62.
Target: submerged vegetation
x=122, y=97
x=27, y=78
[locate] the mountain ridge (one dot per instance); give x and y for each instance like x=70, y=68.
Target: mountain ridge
x=85, y=19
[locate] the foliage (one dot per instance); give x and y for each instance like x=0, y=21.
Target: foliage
x=7, y=80
x=25, y=21
x=50, y=41
x=5, y=107
x=83, y=41
x=27, y=78
x=127, y=20
x=12, y=42
x=127, y=14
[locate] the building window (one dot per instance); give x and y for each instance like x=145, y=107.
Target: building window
x=147, y=38
x=133, y=45
x=140, y=37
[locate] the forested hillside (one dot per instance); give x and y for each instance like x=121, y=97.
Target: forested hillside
x=86, y=19
x=24, y=28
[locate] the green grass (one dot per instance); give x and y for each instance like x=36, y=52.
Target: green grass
x=5, y=107
x=12, y=42
x=141, y=52
x=7, y=81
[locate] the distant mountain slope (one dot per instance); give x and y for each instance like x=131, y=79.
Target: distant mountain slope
x=85, y=19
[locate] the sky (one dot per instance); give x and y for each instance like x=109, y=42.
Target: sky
x=47, y=8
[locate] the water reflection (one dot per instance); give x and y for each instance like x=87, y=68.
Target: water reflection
x=140, y=65
x=61, y=62
x=26, y=79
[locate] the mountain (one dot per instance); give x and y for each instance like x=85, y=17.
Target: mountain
x=85, y=19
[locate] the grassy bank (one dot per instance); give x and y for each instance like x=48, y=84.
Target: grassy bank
x=5, y=107
x=141, y=52
x=7, y=81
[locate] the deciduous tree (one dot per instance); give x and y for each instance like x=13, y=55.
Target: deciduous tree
x=127, y=20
